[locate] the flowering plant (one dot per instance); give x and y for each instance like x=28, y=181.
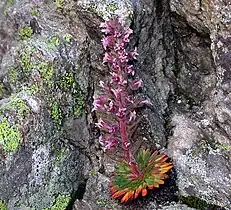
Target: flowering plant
x=132, y=175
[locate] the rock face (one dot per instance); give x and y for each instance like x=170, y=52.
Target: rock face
x=50, y=65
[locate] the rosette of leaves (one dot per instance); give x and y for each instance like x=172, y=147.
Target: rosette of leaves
x=131, y=180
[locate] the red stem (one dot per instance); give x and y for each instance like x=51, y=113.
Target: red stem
x=122, y=121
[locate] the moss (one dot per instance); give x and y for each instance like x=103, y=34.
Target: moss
x=9, y=132
x=53, y=42
x=93, y=173
x=102, y=202
x=224, y=147
x=8, y=4
x=47, y=72
x=196, y=203
x=16, y=105
x=33, y=89
x=9, y=136
x=67, y=38
x=67, y=81
x=34, y=12
x=112, y=7
x=60, y=4
x=61, y=202
x=25, y=32
x=2, y=89
x=13, y=74
x=79, y=108
x=56, y=113
x=26, y=63
x=3, y=205
x=60, y=155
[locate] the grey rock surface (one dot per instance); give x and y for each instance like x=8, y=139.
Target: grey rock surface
x=50, y=66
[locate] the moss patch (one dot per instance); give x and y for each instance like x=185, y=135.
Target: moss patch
x=8, y=4
x=61, y=203
x=59, y=3
x=3, y=205
x=56, y=114
x=34, y=11
x=9, y=136
x=196, y=203
x=25, y=32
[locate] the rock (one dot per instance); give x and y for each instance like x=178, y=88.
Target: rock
x=176, y=207
x=43, y=165
x=50, y=65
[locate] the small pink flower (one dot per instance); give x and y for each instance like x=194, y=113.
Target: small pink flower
x=132, y=116
x=101, y=84
x=108, y=58
x=146, y=101
x=109, y=142
x=136, y=84
x=101, y=124
x=113, y=128
x=126, y=145
x=128, y=32
x=117, y=92
x=114, y=77
x=123, y=56
x=121, y=112
x=130, y=69
x=133, y=55
x=107, y=42
x=98, y=103
x=110, y=107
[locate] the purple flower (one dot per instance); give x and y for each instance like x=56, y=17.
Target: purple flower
x=113, y=128
x=132, y=116
x=108, y=58
x=121, y=112
x=133, y=55
x=98, y=103
x=110, y=107
x=101, y=124
x=107, y=42
x=101, y=84
x=136, y=84
x=109, y=142
x=130, y=69
x=116, y=92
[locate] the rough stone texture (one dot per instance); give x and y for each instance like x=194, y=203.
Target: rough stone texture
x=200, y=144
x=50, y=65
x=43, y=103
x=176, y=207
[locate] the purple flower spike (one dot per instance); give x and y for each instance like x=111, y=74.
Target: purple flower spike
x=116, y=101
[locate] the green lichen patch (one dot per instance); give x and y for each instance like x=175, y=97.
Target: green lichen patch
x=8, y=4
x=102, y=202
x=60, y=4
x=16, y=105
x=3, y=205
x=46, y=70
x=9, y=136
x=53, y=42
x=67, y=38
x=11, y=115
x=34, y=11
x=56, y=113
x=25, y=32
x=79, y=108
x=61, y=153
x=61, y=202
x=196, y=203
